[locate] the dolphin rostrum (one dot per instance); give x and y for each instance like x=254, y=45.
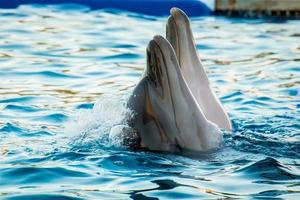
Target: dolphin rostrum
x=166, y=115
x=179, y=34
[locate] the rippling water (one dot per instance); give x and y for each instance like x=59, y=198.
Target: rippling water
x=66, y=72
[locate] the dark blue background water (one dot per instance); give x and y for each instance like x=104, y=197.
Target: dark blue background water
x=66, y=72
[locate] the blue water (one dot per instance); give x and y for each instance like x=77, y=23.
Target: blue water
x=66, y=73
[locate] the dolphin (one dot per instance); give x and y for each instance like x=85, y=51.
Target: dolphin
x=166, y=115
x=180, y=35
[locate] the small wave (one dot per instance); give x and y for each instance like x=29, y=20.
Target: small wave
x=125, y=46
x=21, y=131
x=46, y=74
x=35, y=175
x=11, y=128
x=141, y=162
x=54, y=118
x=122, y=56
x=164, y=184
x=85, y=106
x=42, y=196
x=21, y=108
x=274, y=193
x=270, y=169
x=260, y=136
x=18, y=99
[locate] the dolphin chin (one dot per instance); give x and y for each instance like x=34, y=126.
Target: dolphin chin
x=166, y=116
x=179, y=34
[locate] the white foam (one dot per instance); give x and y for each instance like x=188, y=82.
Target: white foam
x=102, y=125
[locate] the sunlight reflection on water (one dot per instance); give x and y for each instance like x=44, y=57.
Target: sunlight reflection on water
x=57, y=64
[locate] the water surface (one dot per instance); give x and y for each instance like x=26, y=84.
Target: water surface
x=66, y=73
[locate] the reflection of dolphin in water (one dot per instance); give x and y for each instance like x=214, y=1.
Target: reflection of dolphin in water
x=168, y=108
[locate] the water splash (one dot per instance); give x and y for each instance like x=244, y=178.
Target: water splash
x=103, y=126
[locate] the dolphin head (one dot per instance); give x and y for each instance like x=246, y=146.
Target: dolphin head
x=169, y=118
x=180, y=35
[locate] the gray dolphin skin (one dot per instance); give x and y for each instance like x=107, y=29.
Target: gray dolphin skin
x=166, y=115
x=179, y=34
